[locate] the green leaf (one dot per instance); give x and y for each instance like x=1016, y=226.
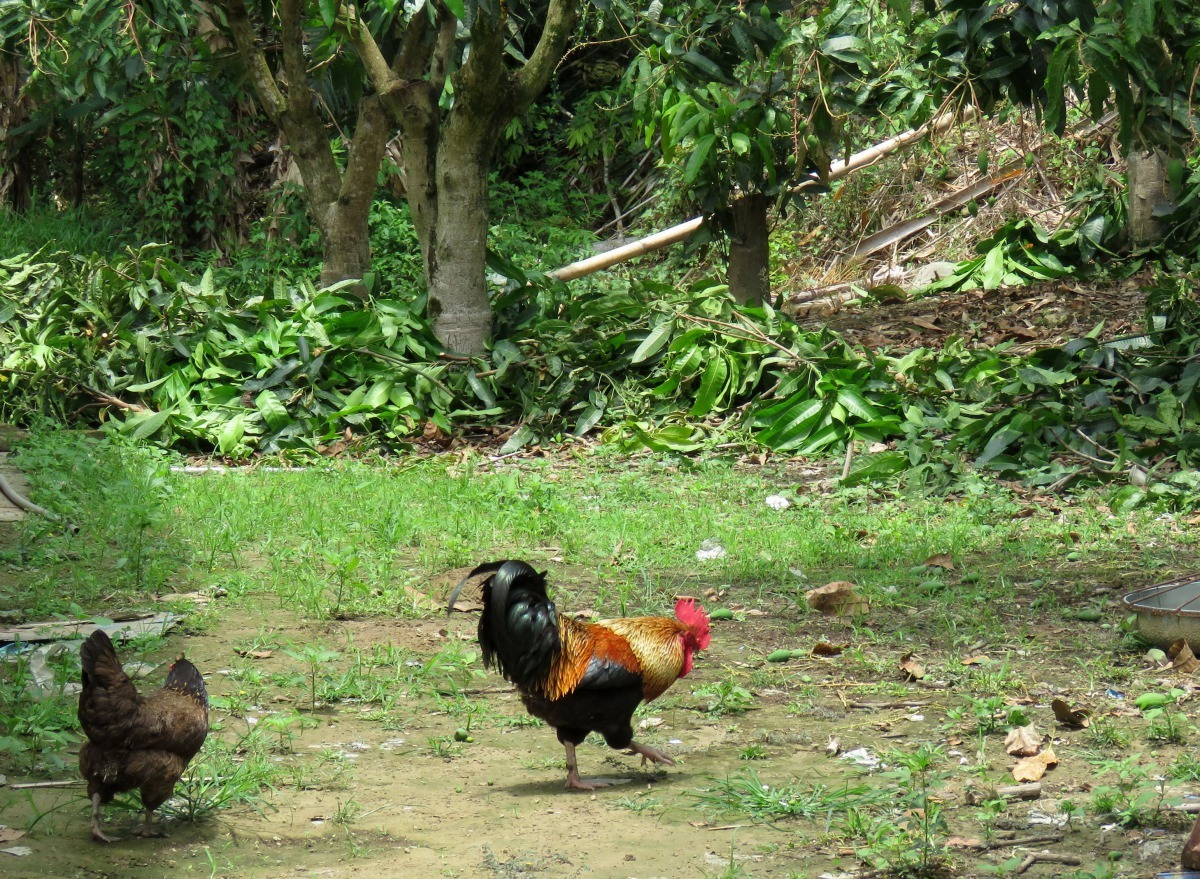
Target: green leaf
x=698, y=157
x=274, y=413
x=991, y=273
x=1000, y=441
x=856, y=404
x=328, y=9
x=150, y=424
x=231, y=435
x=654, y=340
x=145, y=386
x=482, y=391
x=705, y=65
x=712, y=385
x=590, y=417
x=522, y=437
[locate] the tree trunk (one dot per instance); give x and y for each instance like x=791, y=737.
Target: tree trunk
x=16, y=166
x=447, y=152
x=1149, y=191
x=749, y=255
x=345, y=238
x=458, y=296
x=338, y=200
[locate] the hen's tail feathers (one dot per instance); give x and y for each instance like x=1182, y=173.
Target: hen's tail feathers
x=101, y=667
x=186, y=678
x=518, y=631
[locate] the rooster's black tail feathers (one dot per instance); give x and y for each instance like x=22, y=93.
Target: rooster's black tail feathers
x=518, y=631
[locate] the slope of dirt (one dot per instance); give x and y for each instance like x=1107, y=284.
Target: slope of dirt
x=1037, y=316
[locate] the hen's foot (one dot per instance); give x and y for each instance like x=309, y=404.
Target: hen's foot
x=99, y=836
x=152, y=833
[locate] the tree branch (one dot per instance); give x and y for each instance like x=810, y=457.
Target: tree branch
x=261, y=78
x=535, y=74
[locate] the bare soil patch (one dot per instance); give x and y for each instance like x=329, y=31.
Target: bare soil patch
x=412, y=802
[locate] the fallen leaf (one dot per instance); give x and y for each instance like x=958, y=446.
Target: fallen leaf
x=833, y=746
x=838, y=598
x=942, y=560
x=824, y=648
x=1023, y=741
x=977, y=659
x=10, y=834
x=964, y=842
x=1033, y=768
x=1069, y=716
x=911, y=667
x=1182, y=658
x=256, y=654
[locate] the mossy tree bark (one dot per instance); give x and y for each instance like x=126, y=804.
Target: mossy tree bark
x=447, y=152
x=1149, y=192
x=749, y=254
x=338, y=201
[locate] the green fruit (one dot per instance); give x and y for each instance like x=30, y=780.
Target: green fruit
x=461, y=735
x=1074, y=556
x=780, y=656
x=1089, y=614
x=970, y=578
x=1152, y=700
x=721, y=613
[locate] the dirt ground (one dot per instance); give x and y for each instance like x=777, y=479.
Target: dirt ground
x=496, y=806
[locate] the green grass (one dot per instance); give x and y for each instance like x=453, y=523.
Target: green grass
x=302, y=552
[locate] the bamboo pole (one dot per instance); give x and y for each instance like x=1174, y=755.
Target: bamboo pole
x=682, y=231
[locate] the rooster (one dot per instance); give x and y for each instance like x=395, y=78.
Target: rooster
x=136, y=741
x=582, y=677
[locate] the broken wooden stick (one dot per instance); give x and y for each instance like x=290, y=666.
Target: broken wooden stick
x=1047, y=858
x=684, y=230
x=1030, y=791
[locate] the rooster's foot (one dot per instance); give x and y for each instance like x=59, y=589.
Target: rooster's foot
x=652, y=754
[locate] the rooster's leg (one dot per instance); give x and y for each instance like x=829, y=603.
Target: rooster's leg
x=651, y=754
x=97, y=829
x=574, y=782
x=148, y=828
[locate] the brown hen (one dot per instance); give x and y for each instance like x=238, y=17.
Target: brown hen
x=136, y=741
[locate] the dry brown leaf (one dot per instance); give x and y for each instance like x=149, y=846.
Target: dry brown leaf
x=942, y=560
x=975, y=659
x=837, y=598
x=833, y=746
x=1069, y=716
x=911, y=667
x=1023, y=741
x=10, y=834
x=824, y=648
x=1033, y=768
x=964, y=842
x=256, y=654
x=1182, y=658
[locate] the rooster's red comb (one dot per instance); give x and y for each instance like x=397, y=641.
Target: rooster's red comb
x=689, y=612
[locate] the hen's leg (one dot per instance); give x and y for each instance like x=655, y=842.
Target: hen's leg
x=651, y=754
x=148, y=828
x=97, y=829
